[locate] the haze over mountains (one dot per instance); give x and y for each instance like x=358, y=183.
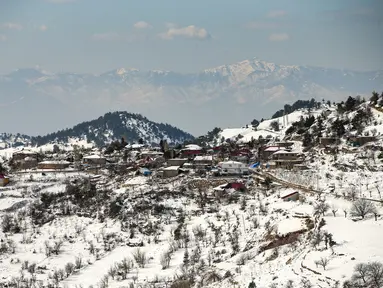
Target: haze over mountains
x=35, y=102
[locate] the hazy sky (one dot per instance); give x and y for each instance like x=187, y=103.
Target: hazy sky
x=187, y=36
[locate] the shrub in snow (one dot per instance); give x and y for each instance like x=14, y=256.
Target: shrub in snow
x=289, y=284
x=124, y=267
x=69, y=268
x=305, y=283
x=181, y=284
x=140, y=257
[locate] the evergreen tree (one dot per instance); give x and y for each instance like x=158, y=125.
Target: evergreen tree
x=374, y=98
x=186, y=258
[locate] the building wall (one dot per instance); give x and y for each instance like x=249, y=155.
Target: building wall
x=287, y=156
x=176, y=162
x=52, y=166
x=100, y=161
x=169, y=173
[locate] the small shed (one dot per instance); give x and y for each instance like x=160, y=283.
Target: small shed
x=290, y=195
x=54, y=165
x=170, y=171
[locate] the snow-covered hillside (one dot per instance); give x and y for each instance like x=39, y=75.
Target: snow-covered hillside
x=105, y=129
x=125, y=235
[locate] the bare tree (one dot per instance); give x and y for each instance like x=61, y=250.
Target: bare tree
x=322, y=262
x=78, y=263
x=321, y=208
x=165, y=260
x=48, y=249
x=345, y=211
x=334, y=209
x=352, y=192
x=362, y=207
x=112, y=271
x=57, y=246
x=367, y=275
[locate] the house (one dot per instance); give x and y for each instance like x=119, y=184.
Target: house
x=290, y=195
x=26, y=163
x=177, y=161
x=22, y=154
x=53, y=165
x=4, y=180
x=94, y=160
x=201, y=161
x=135, y=146
x=265, y=152
x=191, y=149
x=287, y=159
x=171, y=171
x=25, y=159
x=232, y=168
x=286, y=144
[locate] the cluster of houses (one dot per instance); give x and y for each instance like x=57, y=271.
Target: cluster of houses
x=225, y=160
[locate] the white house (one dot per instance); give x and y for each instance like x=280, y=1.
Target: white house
x=233, y=168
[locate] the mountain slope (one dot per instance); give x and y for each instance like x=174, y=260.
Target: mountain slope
x=244, y=90
x=107, y=128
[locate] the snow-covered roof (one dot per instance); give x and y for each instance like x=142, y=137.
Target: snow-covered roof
x=55, y=162
x=204, y=158
x=230, y=162
x=25, y=152
x=29, y=159
x=285, y=152
x=220, y=187
x=290, y=225
x=93, y=157
x=134, y=146
x=192, y=147
x=288, y=192
x=274, y=148
x=172, y=168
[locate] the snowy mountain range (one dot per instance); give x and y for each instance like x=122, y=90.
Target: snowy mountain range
x=36, y=102
x=105, y=129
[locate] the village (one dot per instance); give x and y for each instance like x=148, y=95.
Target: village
x=204, y=214
x=235, y=162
